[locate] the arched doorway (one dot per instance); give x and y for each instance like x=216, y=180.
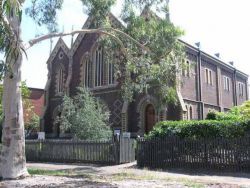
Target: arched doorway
x=150, y=118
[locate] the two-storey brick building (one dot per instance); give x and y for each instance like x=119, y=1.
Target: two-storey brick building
x=211, y=84
x=207, y=84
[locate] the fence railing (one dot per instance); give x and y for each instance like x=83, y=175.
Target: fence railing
x=215, y=154
x=104, y=152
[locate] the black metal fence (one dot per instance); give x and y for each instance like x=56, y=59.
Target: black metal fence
x=104, y=152
x=215, y=154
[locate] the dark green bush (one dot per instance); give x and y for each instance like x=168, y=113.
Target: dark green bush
x=201, y=129
x=211, y=115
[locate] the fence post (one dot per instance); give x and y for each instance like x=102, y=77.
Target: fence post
x=40, y=143
x=206, y=153
x=116, y=142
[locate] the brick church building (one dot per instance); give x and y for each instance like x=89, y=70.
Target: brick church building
x=208, y=83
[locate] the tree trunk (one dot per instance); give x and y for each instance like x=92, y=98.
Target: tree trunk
x=12, y=158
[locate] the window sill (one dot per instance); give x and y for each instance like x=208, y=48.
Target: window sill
x=59, y=94
x=210, y=85
x=103, y=87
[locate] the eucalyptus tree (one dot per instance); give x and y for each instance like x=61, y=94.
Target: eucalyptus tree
x=157, y=69
x=147, y=54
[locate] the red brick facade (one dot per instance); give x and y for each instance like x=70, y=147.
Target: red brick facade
x=212, y=96
x=196, y=96
x=37, y=101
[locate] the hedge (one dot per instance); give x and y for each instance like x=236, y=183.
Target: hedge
x=201, y=129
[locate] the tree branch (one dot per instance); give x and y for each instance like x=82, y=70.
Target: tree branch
x=99, y=31
x=130, y=38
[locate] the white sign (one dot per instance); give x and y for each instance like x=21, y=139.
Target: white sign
x=117, y=132
x=41, y=136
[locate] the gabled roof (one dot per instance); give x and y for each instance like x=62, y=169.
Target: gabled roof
x=117, y=22
x=80, y=36
x=87, y=24
x=60, y=44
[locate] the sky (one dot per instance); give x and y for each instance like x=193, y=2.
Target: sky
x=221, y=26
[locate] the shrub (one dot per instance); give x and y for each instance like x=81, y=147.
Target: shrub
x=201, y=129
x=32, y=126
x=244, y=110
x=241, y=112
x=85, y=117
x=212, y=115
x=33, y=123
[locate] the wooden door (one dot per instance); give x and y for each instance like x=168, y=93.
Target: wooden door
x=149, y=118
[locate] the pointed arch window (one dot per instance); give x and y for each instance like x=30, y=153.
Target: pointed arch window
x=86, y=72
x=99, y=67
x=103, y=69
x=189, y=112
x=60, y=74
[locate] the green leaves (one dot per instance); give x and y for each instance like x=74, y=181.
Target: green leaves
x=98, y=9
x=158, y=69
x=201, y=129
x=20, y=13
x=11, y=7
x=10, y=42
x=2, y=69
x=85, y=117
x=44, y=12
x=236, y=113
x=33, y=123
